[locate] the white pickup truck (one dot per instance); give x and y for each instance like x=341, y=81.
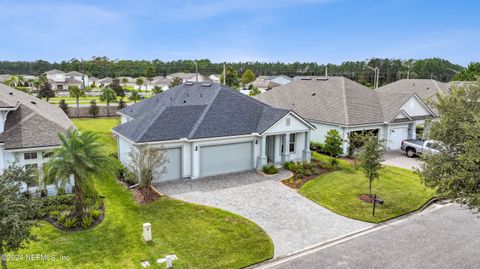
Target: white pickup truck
x=414, y=147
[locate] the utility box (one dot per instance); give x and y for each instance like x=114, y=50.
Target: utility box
x=169, y=259
x=147, y=232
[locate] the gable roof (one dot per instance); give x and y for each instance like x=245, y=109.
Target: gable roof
x=424, y=88
x=34, y=123
x=197, y=110
x=74, y=73
x=336, y=100
x=54, y=71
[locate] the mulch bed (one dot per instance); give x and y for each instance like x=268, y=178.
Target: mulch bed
x=79, y=227
x=139, y=195
x=367, y=198
x=298, y=183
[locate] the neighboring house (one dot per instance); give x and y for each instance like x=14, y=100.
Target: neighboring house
x=29, y=129
x=92, y=80
x=347, y=106
x=424, y=88
x=210, y=129
x=282, y=79
x=187, y=77
x=159, y=81
x=214, y=78
x=4, y=77
x=78, y=76
x=104, y=82
x=61, y=81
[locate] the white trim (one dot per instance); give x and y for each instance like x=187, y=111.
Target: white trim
x=31, y=149
x=404, y=113
x=302, y=120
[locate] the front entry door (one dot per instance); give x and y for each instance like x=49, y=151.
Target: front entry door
x=271, y=148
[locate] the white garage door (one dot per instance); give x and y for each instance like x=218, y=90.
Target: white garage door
x=397, y=134
x=221, y=159
x=174, y=165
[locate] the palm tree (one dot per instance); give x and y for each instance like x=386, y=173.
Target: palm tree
x=134, y=96
x=82, y=157
x=108, y=95
x=175, y=82
x=139, y=82
x=76, y=92
x=124, y=81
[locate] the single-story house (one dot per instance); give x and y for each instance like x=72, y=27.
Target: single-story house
x=281, y=79
x=29, y=129
x=188, y=77
x=347, y=106
x=209, y=129
x=103, y=82
x=159, y=81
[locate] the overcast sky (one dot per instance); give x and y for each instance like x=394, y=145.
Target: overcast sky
x=324, y=31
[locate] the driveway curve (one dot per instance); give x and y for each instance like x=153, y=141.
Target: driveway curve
x=292, y=221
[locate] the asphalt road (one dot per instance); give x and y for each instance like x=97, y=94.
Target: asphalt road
x=445, y=237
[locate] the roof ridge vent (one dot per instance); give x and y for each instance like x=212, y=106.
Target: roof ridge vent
x=189, y=83
x=206, y=84
x=322, y=78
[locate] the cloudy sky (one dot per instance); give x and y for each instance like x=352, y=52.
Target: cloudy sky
x=235, y=30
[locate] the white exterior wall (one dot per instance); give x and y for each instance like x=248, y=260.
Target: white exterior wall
x=414, y=108
x=2, y=158
x=318, y=135
x=3, y=118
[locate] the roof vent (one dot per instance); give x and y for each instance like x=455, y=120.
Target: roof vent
x=304, y=78
x=201, y=95
x=189, y=83
x=322, y=78
x=184, y=101
x=11, y=93
x=313, y=94
x=33, y=102
x=206, y=84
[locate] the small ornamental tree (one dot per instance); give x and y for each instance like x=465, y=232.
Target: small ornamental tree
x=64, y=106
x=370, y=158
x=16, y=211
x=253, y=90
x=117, y=87
x=333, y=143
x=121, y=104
x=139, y=82
x=93, y=110
x=46, y=91
x=146, y=163
x=175, y=82
x=247, y=76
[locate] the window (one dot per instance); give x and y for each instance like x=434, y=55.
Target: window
x=47, y=155
x=292, y=143
x=30, y=155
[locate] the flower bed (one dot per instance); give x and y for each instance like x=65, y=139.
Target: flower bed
x=304, y=172
x=140, y=195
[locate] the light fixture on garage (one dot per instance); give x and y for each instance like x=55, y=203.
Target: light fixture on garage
x=196, y=148
x=256, y=142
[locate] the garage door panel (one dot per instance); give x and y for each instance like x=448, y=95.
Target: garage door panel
x=227, y=158
x=173, y=166
x=397, y=134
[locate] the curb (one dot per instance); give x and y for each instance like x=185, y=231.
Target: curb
x=282, y=259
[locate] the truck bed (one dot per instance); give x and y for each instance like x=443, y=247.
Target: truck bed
x=415, y=141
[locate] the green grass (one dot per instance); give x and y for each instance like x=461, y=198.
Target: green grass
x=82, y=100
x=401, y=190
x=103, y=126
x=202, y=237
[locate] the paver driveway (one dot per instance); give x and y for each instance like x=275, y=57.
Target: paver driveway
x=292, y=221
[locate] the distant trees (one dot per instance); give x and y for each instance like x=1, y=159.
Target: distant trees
x=231, y=78
x=139, y=82
x=150, y=73
x=117, y=87
x=108, y=95
x=175, y=82
x=76, y=92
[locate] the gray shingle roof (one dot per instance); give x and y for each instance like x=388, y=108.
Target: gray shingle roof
x=336, y=100
x=74, y=73
x=54, y=71
x=195, y=111
x=424, y=88
x=35, y=123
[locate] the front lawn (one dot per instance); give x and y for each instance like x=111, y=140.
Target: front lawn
x=104, y=127
x=202, y=237
x=401, y=190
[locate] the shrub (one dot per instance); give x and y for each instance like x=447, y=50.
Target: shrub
x=290, y=166
x=269, y=169
x=87, y=221
x=333, y=143
x=70, y=222
x=333, y=163
x=63, y=216
x=95, y=213
x=54, y=214
x=315, y=146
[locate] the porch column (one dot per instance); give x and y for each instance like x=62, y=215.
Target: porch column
x=307, y=154
x=262, y=158
x=286, y=148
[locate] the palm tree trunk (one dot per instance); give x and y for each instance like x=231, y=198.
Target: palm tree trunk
x=78, y=107
x=79, y=196
x=4, y=259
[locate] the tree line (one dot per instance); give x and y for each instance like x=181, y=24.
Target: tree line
x=390, y=69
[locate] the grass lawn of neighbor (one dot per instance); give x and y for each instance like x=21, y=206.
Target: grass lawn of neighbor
x=400, y=189
x=201, y=237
